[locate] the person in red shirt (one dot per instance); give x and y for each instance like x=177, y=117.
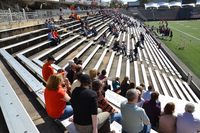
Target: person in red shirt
x=56, y=98
x=56, y=36
x=47, y=69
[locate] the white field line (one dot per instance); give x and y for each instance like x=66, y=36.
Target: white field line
x=186, y=33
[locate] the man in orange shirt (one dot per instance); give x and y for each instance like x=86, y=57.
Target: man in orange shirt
x=47, y=69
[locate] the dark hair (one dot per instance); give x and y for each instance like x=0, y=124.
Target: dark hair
x=131, y=85
x=154, y=96
x=79, y=74
x=79, y=62
x=124, y=81
x=103, y=72
x=85, y=80
x=150, y=88
x=169, y=108
x=75, y=60
x=142, y=84
x=96, y=85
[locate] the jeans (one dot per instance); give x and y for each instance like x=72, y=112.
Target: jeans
x=67, y=112
x=116, y=117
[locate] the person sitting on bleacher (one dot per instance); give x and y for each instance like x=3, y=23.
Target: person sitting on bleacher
x=142, y=38
x=47, y=69
x=104, y=80
x=116, y=85
x=93, y=74
x=133, y=117
x=51, y=38
x=131, y=55
x=140, y=99
x=72, y=16
x=84, y=102
x=167, y=122
x=50, y=24
x=124, y=49
x=115, y=31
x=84, y=30
x=153, y=109
x=124, y=86
x=71, y=73
x=56, y=36
x=56, y=98
x=66, y=82
x=116, y=46
x=103, y=39
x=147, y=95
x=93, y=31
x=103, y=104
x=187, y=122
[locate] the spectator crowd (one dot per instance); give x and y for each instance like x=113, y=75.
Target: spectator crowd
x=73, y=94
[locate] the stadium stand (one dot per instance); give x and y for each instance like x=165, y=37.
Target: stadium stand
x=31, y=48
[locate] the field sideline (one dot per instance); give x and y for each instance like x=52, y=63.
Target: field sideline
x=187, y=34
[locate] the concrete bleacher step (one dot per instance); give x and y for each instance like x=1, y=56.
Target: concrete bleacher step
x=16, y=31
x=32, y=66
x=100, y=59
x=40, y=64
x=31, y=50
x=137, y=78
x=128, y=68
x=162, y=84
x=90, y=57
x=20, y=37
x=21, y=71
x=108, y=68
x=119, y=65
x=164, y=56
x=170, y=86
x=179, y=92
x=185, y=92
x=66, y=52
x=15, y=115
x=81, y=52
x=149, y=54
x=156, y=54
x=36, y=48
x=56, y=48
x=144, y=75
x=153, y=80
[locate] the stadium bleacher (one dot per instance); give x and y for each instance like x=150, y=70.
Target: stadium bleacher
x=25, y=53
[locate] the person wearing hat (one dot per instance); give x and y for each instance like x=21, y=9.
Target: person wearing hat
x=47, y=69
x=84, y=103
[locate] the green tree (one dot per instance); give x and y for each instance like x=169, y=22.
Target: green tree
x=116, y=3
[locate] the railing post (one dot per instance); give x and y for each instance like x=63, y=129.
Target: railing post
x=24, y=14
x=10, y=14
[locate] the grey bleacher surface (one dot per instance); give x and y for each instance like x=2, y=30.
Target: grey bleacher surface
x=15, y=115
x=152, y=67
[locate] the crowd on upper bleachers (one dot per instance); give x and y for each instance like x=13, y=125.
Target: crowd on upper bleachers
x=72, y=93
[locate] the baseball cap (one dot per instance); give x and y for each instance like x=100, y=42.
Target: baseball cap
x=85, y=78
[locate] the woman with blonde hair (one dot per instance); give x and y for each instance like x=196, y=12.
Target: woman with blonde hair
x=56, y=98
x=93, y=74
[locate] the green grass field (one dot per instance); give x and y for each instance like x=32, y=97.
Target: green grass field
x=185, y=33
